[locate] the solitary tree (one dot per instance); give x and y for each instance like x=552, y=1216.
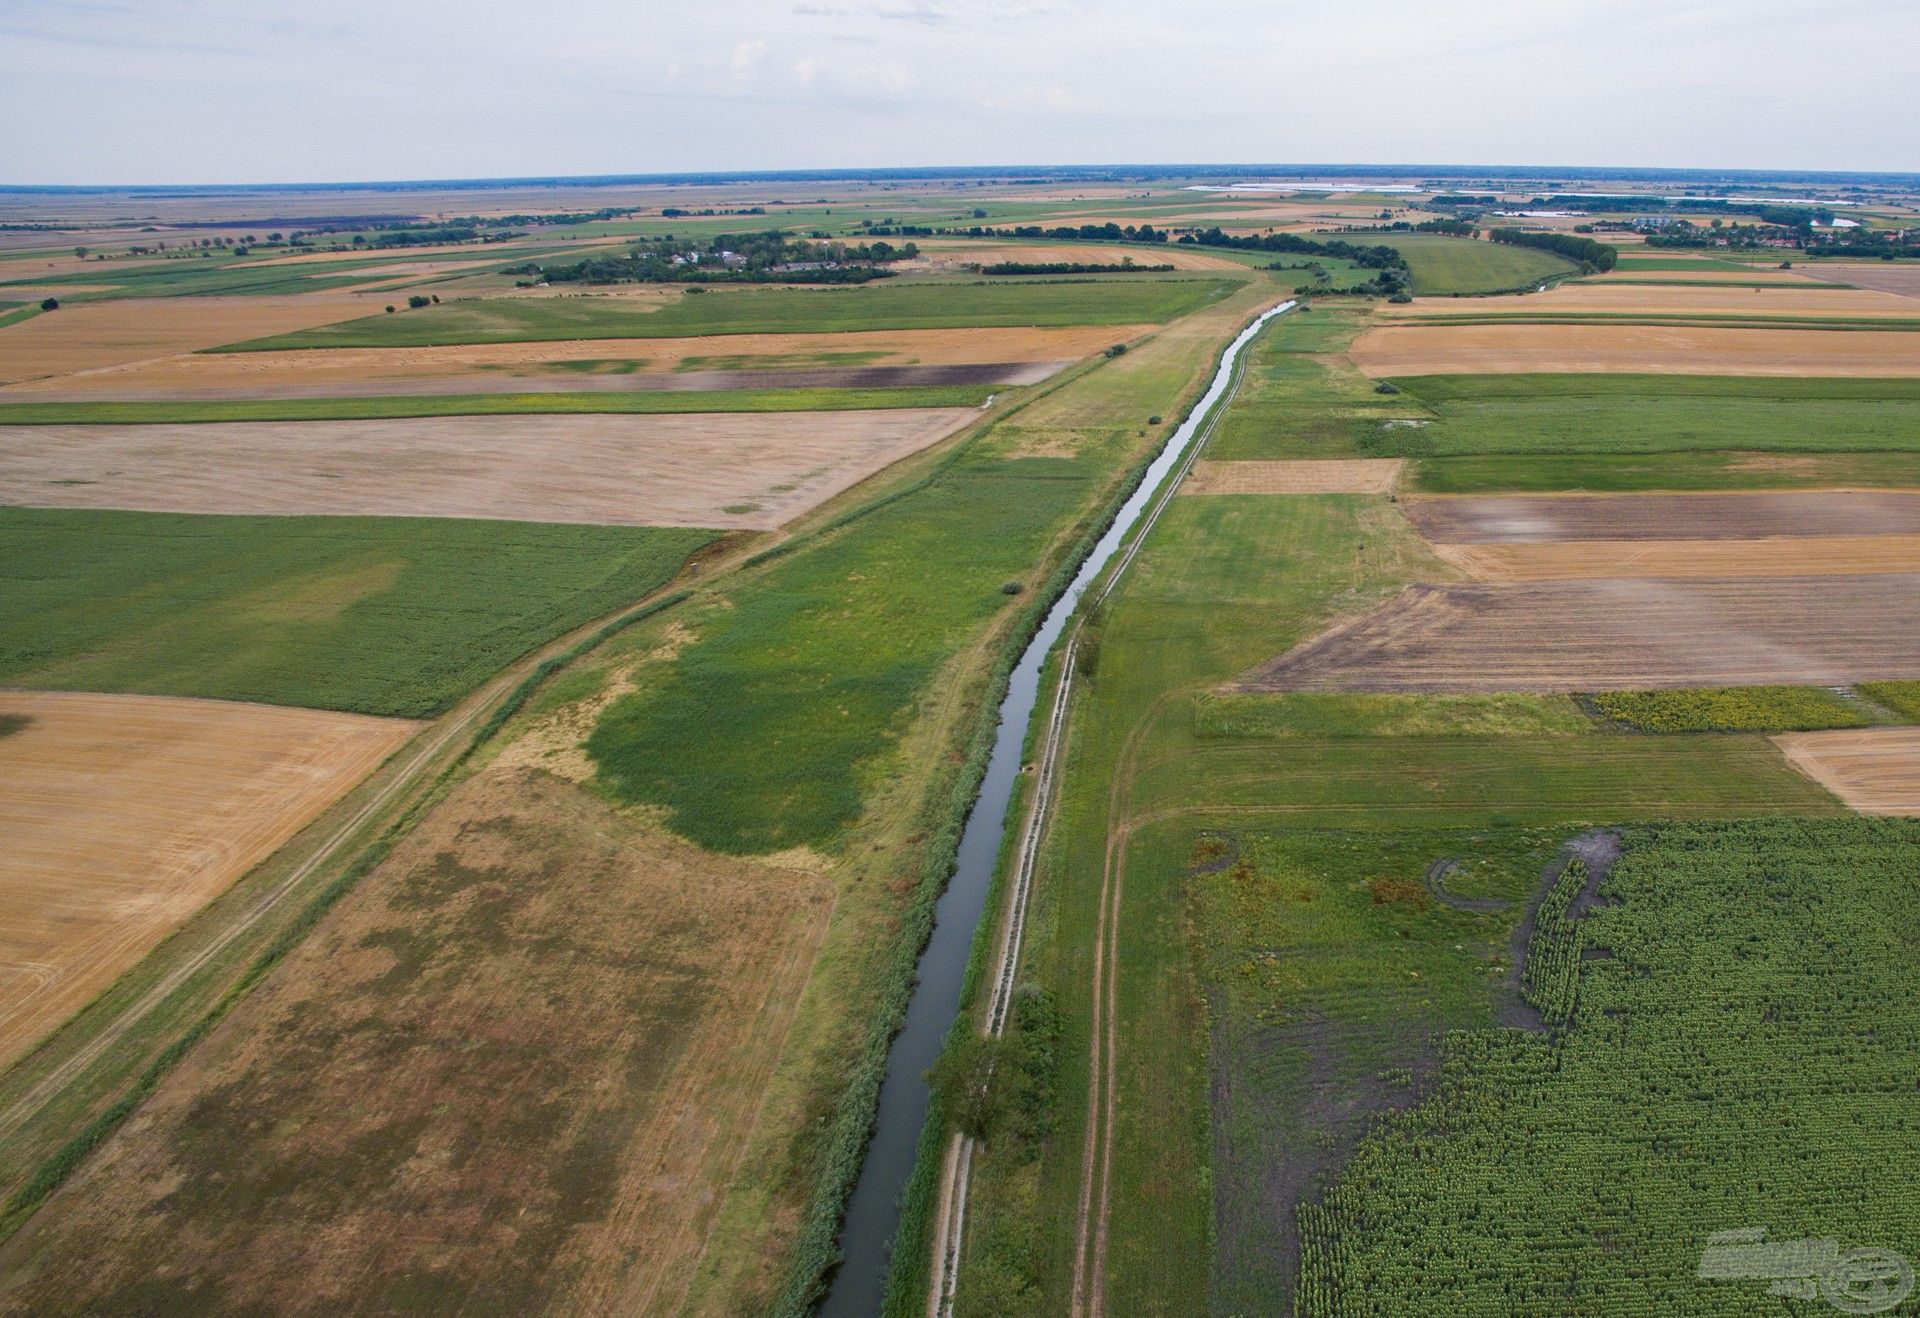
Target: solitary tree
x=50, y=304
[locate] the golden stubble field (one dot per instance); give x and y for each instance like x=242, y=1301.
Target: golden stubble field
x=741, y=470
x=1876, y=771
x=1804, y=298
x=1294, y=476
x=537, y=1034
x=123, y=815
x=1502, y=349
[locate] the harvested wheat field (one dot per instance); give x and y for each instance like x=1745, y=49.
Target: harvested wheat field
x=749, y=470
x=1617, y=634
x=1759, y=274
x=1876, y=771
x=425, y=1108
x=1656, y=349
x=949, y=255
x=87, y=336
x=1530, y=519
x=1803, y=298
x=349, y=372
x=1306, y=476
x=1781, y=556
x=1900, y=280
x=123, y=815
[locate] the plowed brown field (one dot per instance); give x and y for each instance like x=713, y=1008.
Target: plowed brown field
x=1785, y=556
x=123, y=815
x=1617, y=634
x=512, y=1072
x=1528, y=519
x=1511, y=349
x=348, y=372
x=1307, y=476
x=1900, y=280
x=1875, y=770
x=753, y=470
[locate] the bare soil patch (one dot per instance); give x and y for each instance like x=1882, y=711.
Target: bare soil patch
x=513, y=1071
x=1876, y=771
x=1799, y=298
x=754, y=470
x=1886, y=276
x=1517, y=349
x=350, y=372
x=1617, y=634
x=85, y=336
x=1307, y=476
x=1530, y=519
x=1784, y=556
x=124, y=815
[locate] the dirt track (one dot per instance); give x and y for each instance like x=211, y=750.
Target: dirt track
x=1617, y=634
x=1501, y=349
x=1532, y=519
x=1876, y=771
x=1307, y=476
x=123, y=815
x=729, y=470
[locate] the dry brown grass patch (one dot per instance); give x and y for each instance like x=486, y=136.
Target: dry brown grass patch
x=513, y=1071
x=1307, y=476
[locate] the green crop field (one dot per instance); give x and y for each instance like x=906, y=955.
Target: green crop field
x=1903, y=698
x=1731, y=709
x=1606, y=414
x=1445, y=266
x=349, y=409
x=375, y=615
x=1730, y=1044
x=931, y=305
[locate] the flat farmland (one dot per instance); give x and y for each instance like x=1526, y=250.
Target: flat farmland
x=888, y=306
x=1899, y=279
x=1536, y=519
x=1301, y=476
x=1445, y=265
x=1783, y=556
x=87, y=336
x=1617, y=634
x=1654, y=349
x=1876, y=771
x=1802, y=298
x=123, y=815
x=955, y=253
x=724, y=469
x=515, y=1068
x=372, y=615
x=349, y=372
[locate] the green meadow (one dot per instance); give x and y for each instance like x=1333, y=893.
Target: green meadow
x=375, y=615
x=767, y=310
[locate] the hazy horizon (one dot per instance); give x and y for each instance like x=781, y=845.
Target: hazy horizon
x=167, y=93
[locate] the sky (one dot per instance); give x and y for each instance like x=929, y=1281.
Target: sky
x=217, y=91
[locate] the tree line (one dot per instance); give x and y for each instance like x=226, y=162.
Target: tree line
x=1585, y=251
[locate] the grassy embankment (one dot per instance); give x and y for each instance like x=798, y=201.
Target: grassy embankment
x=932, y=305
x=1308, y=976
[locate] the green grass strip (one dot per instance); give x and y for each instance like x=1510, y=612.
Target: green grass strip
x=182, y=411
